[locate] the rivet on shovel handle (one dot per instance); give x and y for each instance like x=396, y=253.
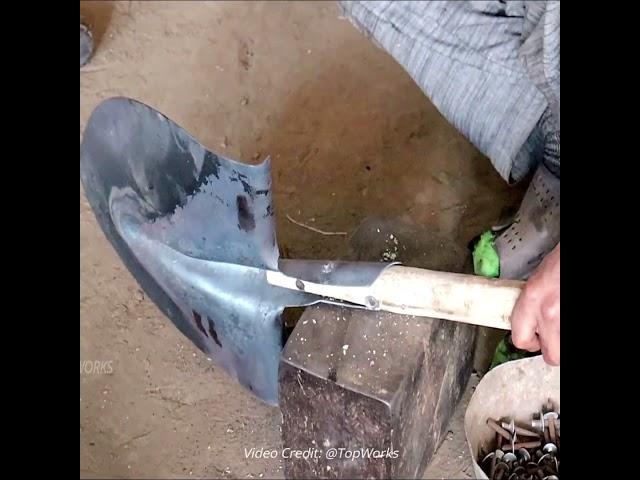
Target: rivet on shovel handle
x=372, y=303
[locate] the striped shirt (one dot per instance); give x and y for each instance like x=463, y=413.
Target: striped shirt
x=492, y=68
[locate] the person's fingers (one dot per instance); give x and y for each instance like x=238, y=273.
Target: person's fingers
x=535, y=320
x=524, y=322
x=549, y=331
x=526, y=338
x=550, y=346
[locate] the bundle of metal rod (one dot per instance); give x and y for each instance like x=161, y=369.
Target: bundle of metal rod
x=525, y=453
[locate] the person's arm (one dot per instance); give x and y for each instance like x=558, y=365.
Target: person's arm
x=535, y=321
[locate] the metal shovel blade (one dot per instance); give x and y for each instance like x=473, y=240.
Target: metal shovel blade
x=197, y=232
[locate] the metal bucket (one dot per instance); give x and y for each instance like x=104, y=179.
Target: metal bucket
x=513, y=390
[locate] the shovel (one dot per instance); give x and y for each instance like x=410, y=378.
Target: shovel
x=197, y=232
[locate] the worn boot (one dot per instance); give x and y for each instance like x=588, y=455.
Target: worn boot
x=535, y=230
x=521, y=245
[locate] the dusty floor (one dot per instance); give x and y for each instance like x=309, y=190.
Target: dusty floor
x=351, y=136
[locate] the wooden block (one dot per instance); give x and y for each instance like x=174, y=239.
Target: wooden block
x=355, y=379
x=381, y=387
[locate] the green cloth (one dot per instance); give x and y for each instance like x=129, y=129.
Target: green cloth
x=486, y=261
x=506, y=352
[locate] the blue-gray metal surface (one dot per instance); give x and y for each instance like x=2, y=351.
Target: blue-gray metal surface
x=197, y=231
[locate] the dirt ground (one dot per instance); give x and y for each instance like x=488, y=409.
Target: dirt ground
x=351, y=136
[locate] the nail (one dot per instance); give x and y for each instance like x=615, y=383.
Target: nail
x=539, y=422
x=513, y=428
x=497, y=455
x=519, y=469
x=510, y=427
x=531, y=467
x=524, y=453
x=498, y=429
x=549, y=467
x=488, y=456
x=508, y=446
x=543, y=457
x=549, y=405
x=509, y=457
x=493, y=467
x=549, y=456
x=548, y=422
x=552, y=430
x=501, y=468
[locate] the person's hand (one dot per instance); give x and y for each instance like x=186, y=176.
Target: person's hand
x=535, y=320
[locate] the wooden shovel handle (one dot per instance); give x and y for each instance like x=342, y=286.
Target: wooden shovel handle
x=451, y=296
